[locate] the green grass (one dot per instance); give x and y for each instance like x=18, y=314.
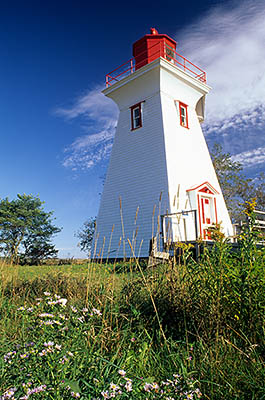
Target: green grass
x=179, y=331
x=29, y=272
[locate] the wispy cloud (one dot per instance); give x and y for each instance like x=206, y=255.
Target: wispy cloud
x=251, y=158
x=228, y=43
x=100, y=115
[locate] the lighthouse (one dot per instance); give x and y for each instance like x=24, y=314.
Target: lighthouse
x=160, y=182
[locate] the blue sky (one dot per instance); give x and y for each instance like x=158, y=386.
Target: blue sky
x=56, y=126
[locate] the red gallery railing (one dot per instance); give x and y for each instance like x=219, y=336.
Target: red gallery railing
x=158, y=50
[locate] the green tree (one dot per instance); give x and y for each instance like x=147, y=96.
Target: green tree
x=236, y=187
x=86, y=234
x=26, y=229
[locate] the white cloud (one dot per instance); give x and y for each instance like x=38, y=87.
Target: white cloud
x=251, y=158
x=100, y=115
x=93, y=105
x=228, y=43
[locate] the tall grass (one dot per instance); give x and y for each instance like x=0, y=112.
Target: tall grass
x=184, y=330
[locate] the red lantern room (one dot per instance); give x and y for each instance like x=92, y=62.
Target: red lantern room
x=152, y=46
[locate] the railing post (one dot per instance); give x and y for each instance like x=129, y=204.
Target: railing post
x=131, y=65
x=107, y=81
x=196, y=226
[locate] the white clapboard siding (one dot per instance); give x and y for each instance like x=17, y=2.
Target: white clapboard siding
x=161, y=156
x=137, y=170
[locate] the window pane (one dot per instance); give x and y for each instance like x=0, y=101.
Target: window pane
x=136, y=117
x=136, y=112
x=137, y=122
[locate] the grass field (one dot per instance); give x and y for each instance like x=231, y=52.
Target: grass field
x=184, y=330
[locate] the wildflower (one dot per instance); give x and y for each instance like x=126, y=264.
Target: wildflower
x=250, y=207
x=47, y=293
x=48, y=344
x=25, y=355
x=57, y=322
x=30, y=309
x=63, y=360
x=30, y=344
x=49, y=322
x=85, y=310
x=133, y=339
x=81, y=319
x=37, y=389
x=21, y=308
x=8, y=394
x=122, y=372
x=74, y=309
x=105, y=395
x=58, y=346
x=43, y=315
x=114, y=387
x=26, y=384
x=57, y=296
x=62, y=302
x=9, y=355
x=128, y=386
x=70, y=353
x=96, y=312
x=148, y=387
x=76, y=395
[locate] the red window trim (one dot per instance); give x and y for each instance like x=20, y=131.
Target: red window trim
x=186, y=109
x=132, y=120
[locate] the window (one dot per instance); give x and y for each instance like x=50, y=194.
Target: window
x=183, y=114
x=136, y=116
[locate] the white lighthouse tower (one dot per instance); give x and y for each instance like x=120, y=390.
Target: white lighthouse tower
x=160, y=181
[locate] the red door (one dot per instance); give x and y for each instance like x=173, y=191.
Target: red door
x=206, y=204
